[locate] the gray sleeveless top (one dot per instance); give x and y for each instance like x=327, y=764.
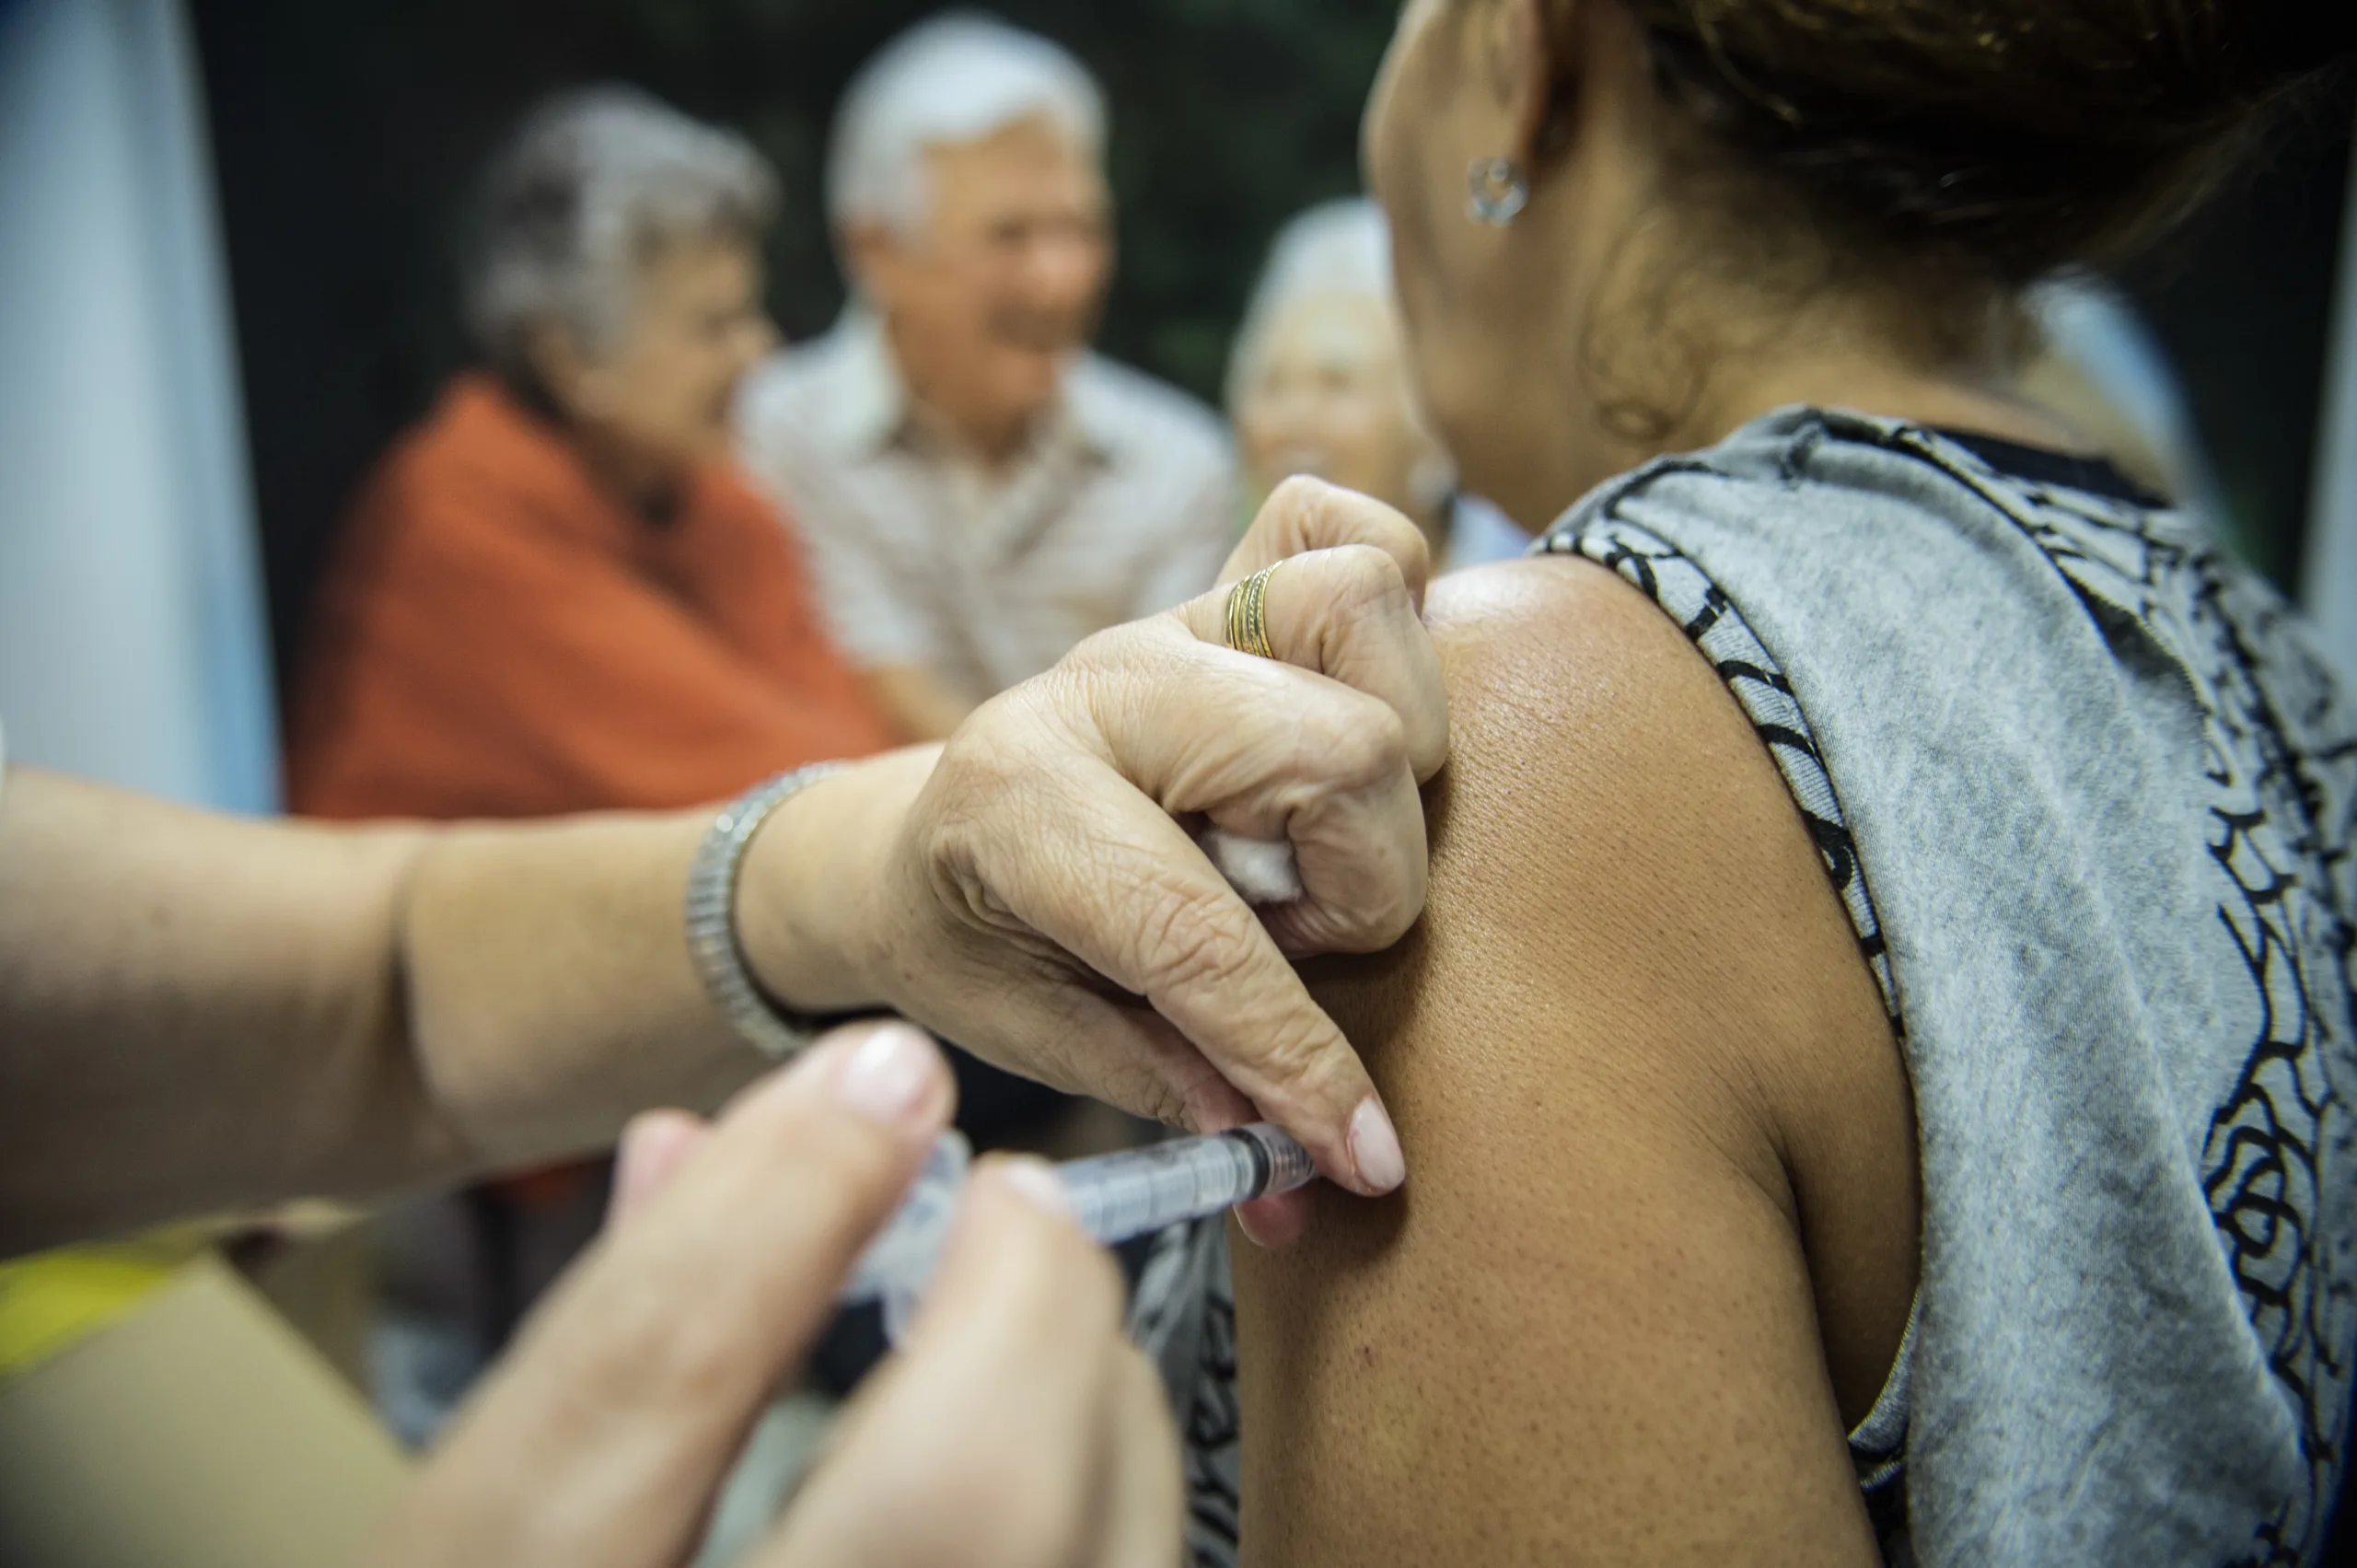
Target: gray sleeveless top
x=2086, y=792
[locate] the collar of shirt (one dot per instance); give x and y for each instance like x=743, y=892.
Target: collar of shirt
x=870, y=412
x=870, y=408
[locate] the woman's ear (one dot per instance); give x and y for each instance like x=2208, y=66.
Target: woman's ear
x=1533, y=64
x=872, y=250
x=554, y=353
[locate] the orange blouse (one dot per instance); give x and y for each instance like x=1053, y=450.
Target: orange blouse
x=498, y=638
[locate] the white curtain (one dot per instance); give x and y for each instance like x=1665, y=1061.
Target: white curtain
x=132, y=646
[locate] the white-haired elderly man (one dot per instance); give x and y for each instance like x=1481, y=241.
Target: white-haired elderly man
x=977, y=490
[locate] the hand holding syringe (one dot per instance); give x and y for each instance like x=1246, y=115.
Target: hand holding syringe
x=1114, y=1197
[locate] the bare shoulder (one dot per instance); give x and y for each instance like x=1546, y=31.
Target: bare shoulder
x=1610, y=819
x=1657, y=1239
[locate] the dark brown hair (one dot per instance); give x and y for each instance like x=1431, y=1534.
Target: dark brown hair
x=2012, y=138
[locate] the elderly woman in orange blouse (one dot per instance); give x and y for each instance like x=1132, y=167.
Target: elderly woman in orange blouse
x=556, y=594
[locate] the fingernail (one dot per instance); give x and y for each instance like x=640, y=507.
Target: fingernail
x=653, y=1148
x=890, y=1076
x=1036, y=1183
x=631, y=1156
x=1375, y=1147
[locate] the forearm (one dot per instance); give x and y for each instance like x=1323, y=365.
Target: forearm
x=195, y=1013
x=198, y=1013
x=820, y=906
x=545, y=972
x=548, y=995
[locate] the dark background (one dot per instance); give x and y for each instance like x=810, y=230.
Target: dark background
x=348, y=135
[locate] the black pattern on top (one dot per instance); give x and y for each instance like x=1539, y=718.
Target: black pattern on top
x=1710, y=619
x=2276, y=1162
x=2279, y=1148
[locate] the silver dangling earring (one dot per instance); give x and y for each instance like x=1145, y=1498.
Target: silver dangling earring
x=1500, y=193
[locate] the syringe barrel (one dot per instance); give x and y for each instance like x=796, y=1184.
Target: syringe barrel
x=1116, y=1197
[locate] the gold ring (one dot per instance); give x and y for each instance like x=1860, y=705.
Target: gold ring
x=1248, y=614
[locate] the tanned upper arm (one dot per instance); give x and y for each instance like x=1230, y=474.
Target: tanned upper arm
x=1658, y=1240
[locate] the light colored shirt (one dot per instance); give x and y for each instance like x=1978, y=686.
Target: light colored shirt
x=1478, y=534
x=1122, y=504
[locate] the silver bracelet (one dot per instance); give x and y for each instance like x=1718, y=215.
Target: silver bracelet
x=713, y=946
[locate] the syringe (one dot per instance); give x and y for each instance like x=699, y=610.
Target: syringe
x=1114, y=1197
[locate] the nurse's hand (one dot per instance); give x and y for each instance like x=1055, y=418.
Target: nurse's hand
x=1032, y=890
x=1016, y=1426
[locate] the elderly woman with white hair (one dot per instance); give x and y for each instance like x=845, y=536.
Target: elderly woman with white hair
x=557, y=594
x=1318, y=384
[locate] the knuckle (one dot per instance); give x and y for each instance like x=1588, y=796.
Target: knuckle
x=1191, y=941
x=1300, y=497
x=1111, y=658
x=1398, y=913
x=1333, y=517
x=1138, y=1088
x=1371, y=577
x=1353, y=743
x=988, y=775
x=1296, y=1058
x=1169, y=1107
x=1099, y=651
x=1299, y=1048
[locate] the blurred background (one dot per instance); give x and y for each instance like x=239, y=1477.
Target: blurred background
x=347, y=138
x=232, y=235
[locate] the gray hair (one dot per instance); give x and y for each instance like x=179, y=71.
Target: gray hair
x=952, y=81
x=596, y=181
x=1335, y=247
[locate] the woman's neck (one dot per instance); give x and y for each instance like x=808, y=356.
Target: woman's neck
x=1955, y=401
x=646, y=489
x=1845, y=371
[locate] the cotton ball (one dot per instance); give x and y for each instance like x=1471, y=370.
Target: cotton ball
x=1263, y=871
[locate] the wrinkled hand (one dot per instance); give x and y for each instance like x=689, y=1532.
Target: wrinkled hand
x=1042, y=900
x=1015, y=1427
